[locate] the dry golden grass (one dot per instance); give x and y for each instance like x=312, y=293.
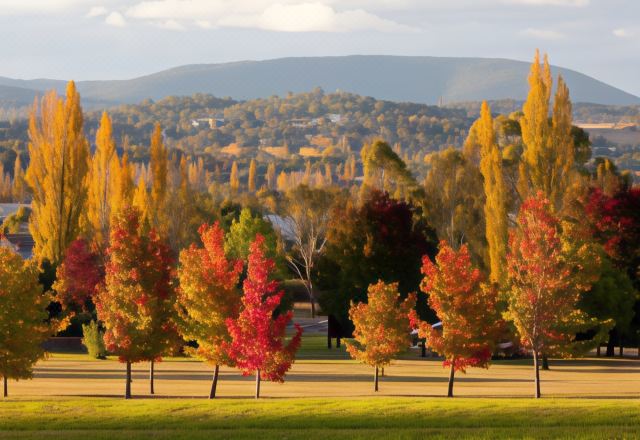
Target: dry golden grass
x=332, y=375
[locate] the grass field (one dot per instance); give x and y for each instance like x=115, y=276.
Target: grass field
x=396, y=418
x=326, y=395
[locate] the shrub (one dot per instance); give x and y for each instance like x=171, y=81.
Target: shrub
x=93, y=340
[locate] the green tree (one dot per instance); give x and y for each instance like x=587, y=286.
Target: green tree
x=23, y=320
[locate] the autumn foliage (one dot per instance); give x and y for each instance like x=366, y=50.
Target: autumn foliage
x=257, y=337
x=78, y=277
x=136, y=304
x=466, y=308
x=23, y=326
x=543, y=296
x=208, y=296
x=382, y=326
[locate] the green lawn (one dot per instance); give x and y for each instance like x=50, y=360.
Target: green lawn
x=376, y=417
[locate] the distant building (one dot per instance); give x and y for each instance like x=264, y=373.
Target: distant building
x=210, y=122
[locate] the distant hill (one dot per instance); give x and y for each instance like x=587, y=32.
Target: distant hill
x=397, y=78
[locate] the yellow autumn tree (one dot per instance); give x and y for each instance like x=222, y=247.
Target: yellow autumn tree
x=234, y=179
x=271, y=176
x=495, y=207
x=159, y=167
x=251, y=181
x=123, y=194
x=23, y=321
x=102, y=185
x=141, y=201
x=19, y=190
x=548, y=156
x=58, y=165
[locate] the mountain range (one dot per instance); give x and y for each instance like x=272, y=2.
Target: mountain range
x=427, y=80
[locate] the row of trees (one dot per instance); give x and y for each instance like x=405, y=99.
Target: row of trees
x=518, y=202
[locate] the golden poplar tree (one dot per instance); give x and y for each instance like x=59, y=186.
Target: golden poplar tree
x=123, y=195
x=495, y=208
x=103, y=185
x=271, y=175
x=58, y=165
x=548, y=157
x=234, y=180
x=141, y=201
x=251, y=181
x=19, y=190
x=159, y=166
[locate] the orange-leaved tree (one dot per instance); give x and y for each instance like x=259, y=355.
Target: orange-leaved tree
x=382, y=326
x=257, y=337
x=207, y=297
x=466, y=308
x=136, y=304
x=23, y=317
x=544, y=292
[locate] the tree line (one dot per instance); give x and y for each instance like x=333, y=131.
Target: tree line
x=511, y=239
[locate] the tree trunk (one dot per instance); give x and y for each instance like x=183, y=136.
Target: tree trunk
x=338, y=342
x=127, y=388
x=5, y=386
x=423, y=349
x=214, y=382
x=151, y=377
x=452, y=372
x=375, y=380
x=382, y=372
x=598, y=351
x=257, y=384
x=611, y=343
x=621, y=349
x=545, y=362
x=313, y=305
x=537, y=369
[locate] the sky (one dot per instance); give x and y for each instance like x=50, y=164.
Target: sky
x=118, y=39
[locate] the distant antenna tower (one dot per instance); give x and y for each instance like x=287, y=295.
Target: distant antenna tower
x=441, y=101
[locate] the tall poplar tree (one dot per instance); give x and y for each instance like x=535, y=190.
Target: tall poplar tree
x=19, y=190
x=58, y=164
x=103, y=185
x=234, y=179
x=495, y=207
x=159, y=166
x=251, y=181
x=548, y=156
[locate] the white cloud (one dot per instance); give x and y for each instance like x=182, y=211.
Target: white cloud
x=97, y=11
x=542, y=34
x=283, y=16
x=8, y=7
x=312, y=17
x=623, y=33
x=171, y=25
x=115, y=19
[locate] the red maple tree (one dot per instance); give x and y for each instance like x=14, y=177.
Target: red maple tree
x=543, y=292
x=257, y=337
x=78, y=277
x=466, y=308
x=207, y=296
x=136, y=303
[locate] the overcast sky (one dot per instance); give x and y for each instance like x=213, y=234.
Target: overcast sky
x=108, y=39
